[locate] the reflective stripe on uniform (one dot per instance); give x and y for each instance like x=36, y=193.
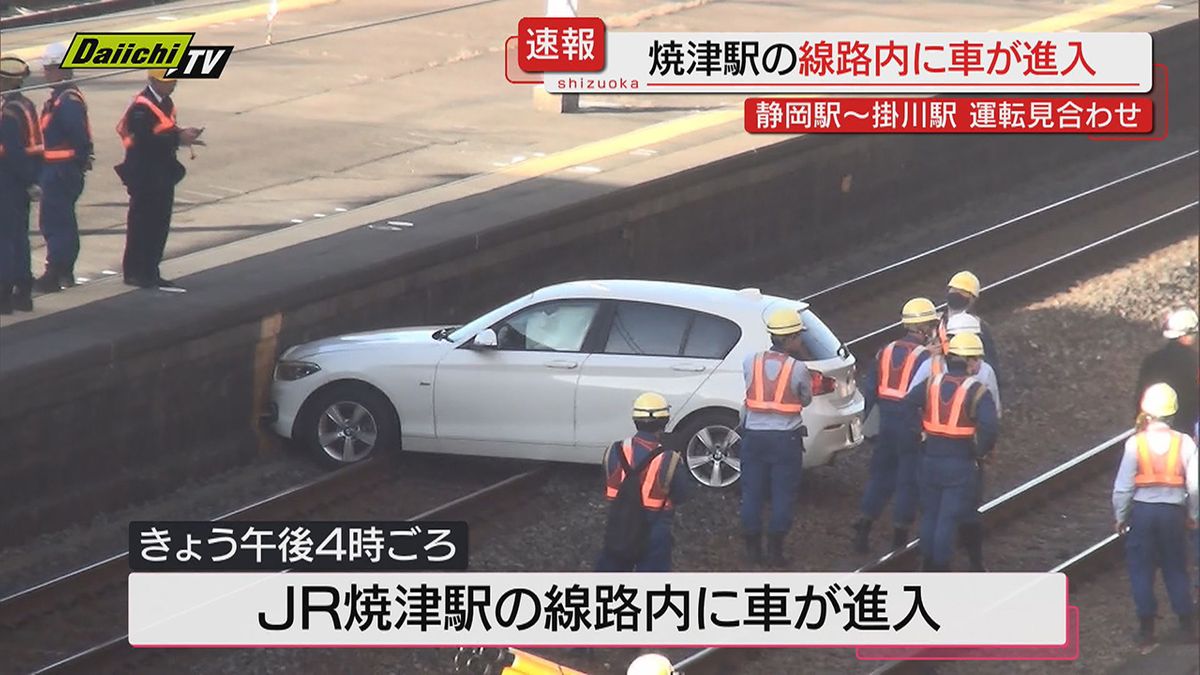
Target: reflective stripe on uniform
x=1155, y=470
x=783, y=398
x=64, y=153
x=33, y=130
x=654, y=492
x=890, y=387
x=953, y=424
x=164, y=124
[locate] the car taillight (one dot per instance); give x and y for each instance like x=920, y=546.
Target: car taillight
x=822, y=384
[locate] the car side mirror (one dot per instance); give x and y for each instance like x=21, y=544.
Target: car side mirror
x=486, y=339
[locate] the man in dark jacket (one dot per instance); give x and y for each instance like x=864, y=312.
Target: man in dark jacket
x=20, y=159
x=150, y=172
x=1176, y=363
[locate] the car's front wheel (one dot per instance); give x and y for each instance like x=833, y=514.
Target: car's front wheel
x=712, y=449
x=348, y=423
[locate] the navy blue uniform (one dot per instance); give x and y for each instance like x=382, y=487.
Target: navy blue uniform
x=150, y=172
x=657, y=557
x=949, y=473
x=20, y=160
x=897, y=450
x=68, y=140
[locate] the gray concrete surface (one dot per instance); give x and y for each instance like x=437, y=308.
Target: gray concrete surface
x=305, y=130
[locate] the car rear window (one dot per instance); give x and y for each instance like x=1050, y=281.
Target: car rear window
x=819, y=342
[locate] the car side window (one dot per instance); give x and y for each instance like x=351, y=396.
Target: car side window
x=559, y=326
x=711, y=337
x=647, y=330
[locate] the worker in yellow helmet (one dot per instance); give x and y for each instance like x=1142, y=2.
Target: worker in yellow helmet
x=960, y=427
x=1156, y=499
x=150, y=172
x=962, y=293
x=893, y=468
x=643, y=485
x=778, y=387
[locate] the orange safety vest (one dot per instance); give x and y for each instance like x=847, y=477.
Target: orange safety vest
x=952, y=423
x=655, y=493
x=1155, y=470
x=65, y=152
x=937, y=365
x=33, y=131
x=783, y=398
x=164, y=124
x=893, y=381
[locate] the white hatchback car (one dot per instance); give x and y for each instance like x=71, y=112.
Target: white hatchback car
x=552, y=376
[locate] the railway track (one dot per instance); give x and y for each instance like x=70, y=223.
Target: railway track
x=75, y=622
x=47, y=612
x=1030, y=501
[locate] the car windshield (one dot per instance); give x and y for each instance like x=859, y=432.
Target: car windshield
x=471, y=329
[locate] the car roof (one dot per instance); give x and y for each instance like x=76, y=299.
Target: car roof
x=712, y=299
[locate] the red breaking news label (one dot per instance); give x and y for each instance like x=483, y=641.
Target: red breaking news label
x=560, y=45
x=993, y=115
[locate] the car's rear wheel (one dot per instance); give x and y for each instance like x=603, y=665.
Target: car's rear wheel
x=348, y=423
x=712, y=450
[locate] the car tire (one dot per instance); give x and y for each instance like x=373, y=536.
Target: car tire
x=711, y=448
x=347, y=424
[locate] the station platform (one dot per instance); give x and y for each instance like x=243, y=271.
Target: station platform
x=304, y=134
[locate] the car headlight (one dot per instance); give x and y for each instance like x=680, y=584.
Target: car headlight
x=294, y=370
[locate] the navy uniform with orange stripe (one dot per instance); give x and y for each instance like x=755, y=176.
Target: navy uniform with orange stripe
x=1156, y=495
x=893, y=468
x=20, y=159
x=68, y=155
x=663, y=487
x=960, y=425
x=150, y=172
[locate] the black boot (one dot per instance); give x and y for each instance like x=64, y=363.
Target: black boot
x=971, y=535
x=775, y=551
x=754, y=552
x=1145, y=634
x=49, y=282
x=67, y=278
x=899, y=537
x=1187, y=629
x=862, y=533
x=23, y=297
x=6, y=306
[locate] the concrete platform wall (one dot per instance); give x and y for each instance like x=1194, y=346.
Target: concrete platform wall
x=136, y=414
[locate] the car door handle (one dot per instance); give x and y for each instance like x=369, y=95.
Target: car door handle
x=689, y=368
x=563, y=365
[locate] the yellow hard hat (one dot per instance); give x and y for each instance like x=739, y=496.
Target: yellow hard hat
x=966, y=282
x=785, y=322
x=159, y=74
x=1160, y=400
x=650, y=664
x=918, y=310
x=965, y=344
x=651, y=406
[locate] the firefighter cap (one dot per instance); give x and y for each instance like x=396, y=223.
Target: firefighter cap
x=965, y=345
x=1181, y=322
x=785, y=322
x=1160, y=400
x=918, y=311
x=966, y=282
x=651, y=406
x=14, y=68
x=650, y=664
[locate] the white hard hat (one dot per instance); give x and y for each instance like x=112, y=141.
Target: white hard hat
x=54, y=54
x=963, y=323
x=650, y=664
x=1180, y=322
